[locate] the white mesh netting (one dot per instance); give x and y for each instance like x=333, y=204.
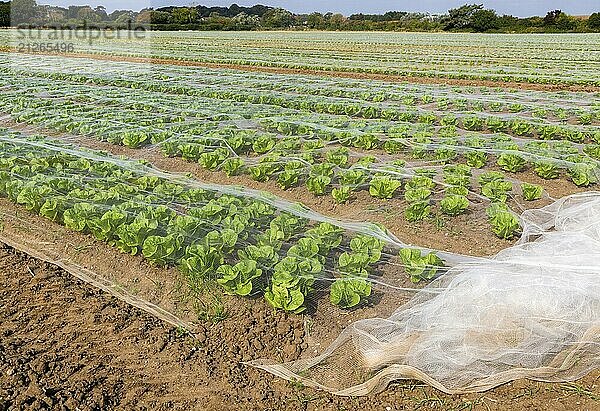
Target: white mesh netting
x=532, y=311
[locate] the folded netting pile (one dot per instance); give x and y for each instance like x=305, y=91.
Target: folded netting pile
x=532, y=311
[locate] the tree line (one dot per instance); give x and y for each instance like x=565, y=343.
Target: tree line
x=467, y=18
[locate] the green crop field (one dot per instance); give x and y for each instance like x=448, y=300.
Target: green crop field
x=322, y=176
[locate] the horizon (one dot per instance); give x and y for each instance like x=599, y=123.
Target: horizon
x=518, y=8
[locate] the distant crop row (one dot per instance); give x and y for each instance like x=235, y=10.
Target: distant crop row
x=531, y=59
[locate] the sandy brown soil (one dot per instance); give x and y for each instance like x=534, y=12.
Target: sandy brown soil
x=65, y=345
x=333, y=73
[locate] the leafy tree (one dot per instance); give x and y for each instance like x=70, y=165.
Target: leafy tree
x=160, y=17
x=101, y=13
x=566, y=22
x=594, y=21
x=484, y=20
x=23, y=11
x=244, y=21
x=315, y=21
x=184, y=15
x=88, y=14
x=277, y=18
x=336, y=22
x=551, y=17
x=4, y=14
x=462, y=17
x=144, y=17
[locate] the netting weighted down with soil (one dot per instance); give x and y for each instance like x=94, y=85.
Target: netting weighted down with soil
x=531, y=311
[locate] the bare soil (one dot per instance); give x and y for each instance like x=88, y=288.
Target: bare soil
x=65, y=345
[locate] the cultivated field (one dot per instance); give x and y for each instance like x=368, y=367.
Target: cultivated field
x=266, y=193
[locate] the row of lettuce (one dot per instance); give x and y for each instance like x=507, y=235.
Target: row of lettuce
x=563, y=108
x=445, y=115
x=325, y=168
x=246, y=245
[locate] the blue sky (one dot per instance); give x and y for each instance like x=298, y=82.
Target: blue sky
x=520, y=8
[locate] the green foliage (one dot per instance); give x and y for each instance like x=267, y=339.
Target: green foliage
x=417, y=194
x=199, y=263
x=420, y=267
x=341, y=194
x=265, y=255
x=476, y=159
x=238, y=279
x=135, y=139
x=454, y=204
x=417, y=211
x=211, y=160
x=263, y=144
x=353, y=177
x=546, y=169
x=497, y=190
x=232, y=166
x=318, y=184
x=489, y=176
x=367, y=245
x=421, y=181
x=162, y=250
x=383, y=187
x=504, y=224
x=511, y=162
x=531, y=191
x=288, y=178
x=349, y=292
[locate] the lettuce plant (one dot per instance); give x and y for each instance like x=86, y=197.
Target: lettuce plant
x=420, y=267
x=511, y=162
x=263, y=144
x=583, y=174
x=476, y=159
x=199, y=263
x=504, y=224
x=417, y=211
x=238, y=279
x=211, y=160
x=356, y=264
x=161, y=250
x=81, y=216
x=454, y=205
x=318, y=184
x=329, y=236
x=417, y=194
x=367, y=245
x=422, y=180
x=489, y=176
x=338, y=156
x=265, y=255
x=547, y=170
x=383, y=187
x=531, y=191
x=497, y=190
x=353, y=177
x=341, y=194
x=288, y=178
x=349, y=292
x=232, y=166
